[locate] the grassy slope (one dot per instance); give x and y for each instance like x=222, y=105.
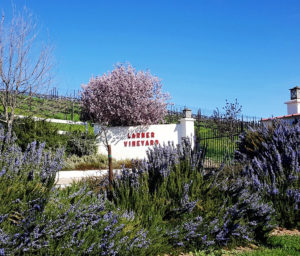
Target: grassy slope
x=218, y=147
x=59, y=109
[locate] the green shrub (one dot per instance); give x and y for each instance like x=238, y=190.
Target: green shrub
x=192, y=208
x=38, y=219
x=81, y=144
x=250, y=143
x=272, y=166
x=74, y=141
x=78, y=222
x=26, y=181
x=27, y=130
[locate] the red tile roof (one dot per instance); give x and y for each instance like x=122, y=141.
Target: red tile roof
x=280, y=117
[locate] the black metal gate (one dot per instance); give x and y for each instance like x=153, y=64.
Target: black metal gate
x=220, y=136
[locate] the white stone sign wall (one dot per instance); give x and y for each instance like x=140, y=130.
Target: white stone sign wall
x=132, y=142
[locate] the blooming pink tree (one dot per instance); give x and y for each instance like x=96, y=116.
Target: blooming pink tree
x=124, y=97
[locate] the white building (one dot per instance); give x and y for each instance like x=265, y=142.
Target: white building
x=293, y=109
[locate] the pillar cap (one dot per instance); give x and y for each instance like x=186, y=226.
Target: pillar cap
x=187, y=113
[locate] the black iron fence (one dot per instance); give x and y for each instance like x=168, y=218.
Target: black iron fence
x=220, y=137
x=50, y=104
x=218, y=134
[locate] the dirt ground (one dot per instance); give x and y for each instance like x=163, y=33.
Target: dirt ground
x=282, y=232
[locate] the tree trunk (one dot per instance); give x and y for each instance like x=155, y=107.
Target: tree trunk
x=110, y=170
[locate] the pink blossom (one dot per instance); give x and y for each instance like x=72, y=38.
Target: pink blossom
x=125, y=97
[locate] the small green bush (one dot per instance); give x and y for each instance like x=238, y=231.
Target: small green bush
x=81, y=144
x=27, y=130
x=74, y=141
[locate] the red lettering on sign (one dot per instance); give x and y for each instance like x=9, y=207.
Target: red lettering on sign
x=139, y=143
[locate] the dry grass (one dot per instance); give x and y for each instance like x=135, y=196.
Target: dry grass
x=93, y=162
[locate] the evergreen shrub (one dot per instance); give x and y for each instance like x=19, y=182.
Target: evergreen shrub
x=26, y=181
x=38, y=219
x=191, y=207
x=271, y=156
x=81, y=144
x=75, y=142
x=28, y=130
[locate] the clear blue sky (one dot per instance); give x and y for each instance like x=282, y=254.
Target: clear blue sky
x=205, y=51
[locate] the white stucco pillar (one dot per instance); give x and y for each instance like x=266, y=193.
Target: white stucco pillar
x=293, y=107
x=187, y=126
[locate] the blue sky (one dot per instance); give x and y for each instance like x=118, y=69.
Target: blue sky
x=204, y=51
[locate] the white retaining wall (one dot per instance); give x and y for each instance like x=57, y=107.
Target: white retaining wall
x=132, y=142
x=53, y=120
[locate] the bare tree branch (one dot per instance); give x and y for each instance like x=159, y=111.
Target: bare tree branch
x=25, y=64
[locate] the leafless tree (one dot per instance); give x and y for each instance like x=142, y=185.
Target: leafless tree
x=227, y=123
x=25, y=62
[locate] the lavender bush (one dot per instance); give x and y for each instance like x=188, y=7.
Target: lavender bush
x=192, y=208
x=26, y=177
x=77, y=222
x=37, y=218
x=272, y=164
x=26, y=180
x=227, y=214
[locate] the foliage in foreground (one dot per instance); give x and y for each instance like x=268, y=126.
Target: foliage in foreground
x=192, y=208
x=26, y=181
x=167, y=204
x=271, y=156
x=36, y=218
x=275, y=246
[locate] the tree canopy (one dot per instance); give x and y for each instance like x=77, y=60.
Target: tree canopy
x=124, y=97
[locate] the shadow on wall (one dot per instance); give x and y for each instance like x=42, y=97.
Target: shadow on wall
x=117, y=134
